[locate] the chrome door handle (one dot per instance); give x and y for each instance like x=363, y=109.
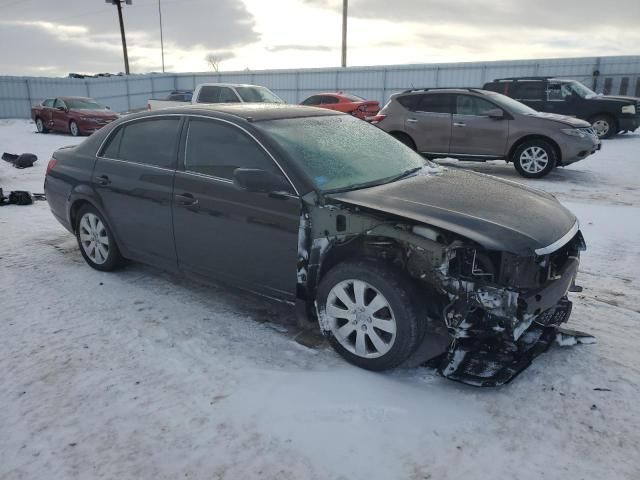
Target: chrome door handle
x=102, y=180
x=411, y=120
x=458, y=124
x=187, y=200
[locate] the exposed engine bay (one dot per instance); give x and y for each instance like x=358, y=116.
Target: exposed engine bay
x=490, y=313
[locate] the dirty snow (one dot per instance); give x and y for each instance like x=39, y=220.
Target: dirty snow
x=142, y=374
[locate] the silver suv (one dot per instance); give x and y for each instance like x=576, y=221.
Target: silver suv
x=474, y=124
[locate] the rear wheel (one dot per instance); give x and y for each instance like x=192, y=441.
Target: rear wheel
x=97, y=245
x=604, y=125
x=404, y=138
x=40, y=126
x=371, y=314
x=534, y=158
x=73, y=128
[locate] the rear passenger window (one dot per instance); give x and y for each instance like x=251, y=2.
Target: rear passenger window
x=409, y=101
x=434, y=103
x=48, y=103
x=469, y=105
x=528, y=90
x=217, y=149
x=152, y=142
x=209, y=94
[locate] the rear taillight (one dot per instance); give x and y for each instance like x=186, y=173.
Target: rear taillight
x=376, y=119
x=51, y=164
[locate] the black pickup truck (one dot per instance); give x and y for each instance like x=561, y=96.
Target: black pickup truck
x=607, y=114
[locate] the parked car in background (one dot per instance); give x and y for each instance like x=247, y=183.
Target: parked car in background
x=74, y=115
x=233, y=93
x=608, y=114
x=383, y=247
x=209, y=93
x=343, y=102
x=174, y=99
x=474, y=124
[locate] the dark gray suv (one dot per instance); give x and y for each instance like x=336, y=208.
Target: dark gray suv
x=474, y=124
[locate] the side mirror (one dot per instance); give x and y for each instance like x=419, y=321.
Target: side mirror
x=496, y=114
x=62, y=109
x=259, y=181
x=107, y=107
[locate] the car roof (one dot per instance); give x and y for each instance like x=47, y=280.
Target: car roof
x=229, y=85
x=75, y=98
x=253, y=112
x=445, y=90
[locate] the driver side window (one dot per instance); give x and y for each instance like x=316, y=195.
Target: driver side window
x=59, y=103
x=216, y=149
x=557, y=92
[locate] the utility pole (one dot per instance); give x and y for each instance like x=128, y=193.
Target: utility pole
x=345, y=7
x=118, y=4
x=161, y=39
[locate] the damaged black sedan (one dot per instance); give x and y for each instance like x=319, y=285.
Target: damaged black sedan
x=394, y=257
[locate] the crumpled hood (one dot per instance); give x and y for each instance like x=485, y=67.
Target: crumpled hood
x=498, y=214
x=567, y=120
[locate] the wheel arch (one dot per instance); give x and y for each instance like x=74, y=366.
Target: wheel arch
x=396, y=133
x=527, y=138
x=614, y=121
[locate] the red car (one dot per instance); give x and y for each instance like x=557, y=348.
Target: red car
x=342, y=102
x=75, y=115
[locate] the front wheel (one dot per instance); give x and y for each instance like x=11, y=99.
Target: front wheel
x=73, y=128
x=604, y=126
x=40, y=126
x=534, y=159
x=97, y=245
x=370, y=313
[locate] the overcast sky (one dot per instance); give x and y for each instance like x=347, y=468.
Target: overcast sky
x=48, y=37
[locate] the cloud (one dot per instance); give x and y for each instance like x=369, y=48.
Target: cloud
x=302, y=48
x=75, y=33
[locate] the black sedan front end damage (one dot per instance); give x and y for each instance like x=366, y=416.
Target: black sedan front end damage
x=497, y=330
x=492, y=307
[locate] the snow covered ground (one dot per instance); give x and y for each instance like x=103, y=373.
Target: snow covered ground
x=141, y=374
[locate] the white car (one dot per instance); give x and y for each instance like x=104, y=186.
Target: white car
x=222, y=93
x=233, y=93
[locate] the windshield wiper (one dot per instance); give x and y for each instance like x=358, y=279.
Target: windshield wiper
x=375, y=183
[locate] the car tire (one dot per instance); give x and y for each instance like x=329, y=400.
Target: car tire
x=604, y=125
x=374, y=340
x=96, y=242
x=40, y=126
x=404, y=138
x=74, y=130
x=534, y=158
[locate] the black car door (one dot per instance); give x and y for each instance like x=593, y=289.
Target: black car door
x=227, y=233
x=133, y=178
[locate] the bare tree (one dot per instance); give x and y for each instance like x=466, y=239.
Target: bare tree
x=214, y=61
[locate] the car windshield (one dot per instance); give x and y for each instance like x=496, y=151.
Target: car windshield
x=342, y=152
x=510, y=105
x=83, y=104
x=258, y=94
x=580, y=90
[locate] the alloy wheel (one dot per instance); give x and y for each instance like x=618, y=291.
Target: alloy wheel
x=534, y=159
x=602, y=127
x=94, y=238
x=39, y=125
x=73, y=128
x=361, y=319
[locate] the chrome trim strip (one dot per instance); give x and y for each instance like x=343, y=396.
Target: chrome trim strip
x=560, y=242
x=138, y=164
x=204, y=175
x=151, y=116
